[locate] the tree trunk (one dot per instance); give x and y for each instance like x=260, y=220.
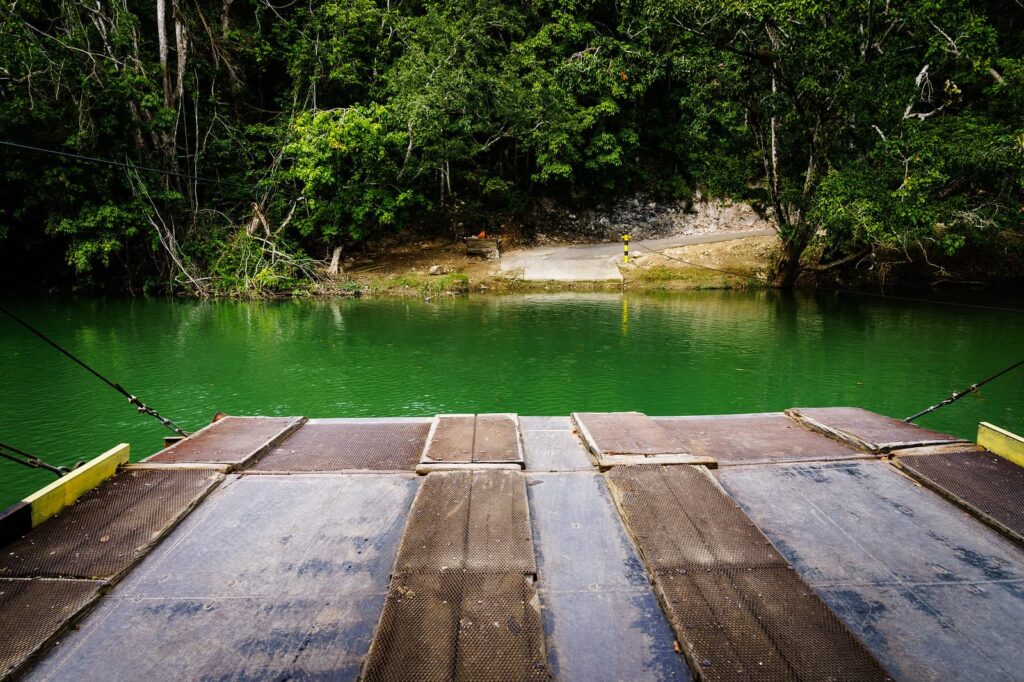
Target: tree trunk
x=787, y=268
x=161, y=34
x=335, y=266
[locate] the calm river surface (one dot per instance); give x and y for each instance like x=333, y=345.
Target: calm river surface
x=550, y=354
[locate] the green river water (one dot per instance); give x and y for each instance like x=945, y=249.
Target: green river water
x=545, y=354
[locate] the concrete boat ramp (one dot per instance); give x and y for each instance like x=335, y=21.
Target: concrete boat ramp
x=815, y=544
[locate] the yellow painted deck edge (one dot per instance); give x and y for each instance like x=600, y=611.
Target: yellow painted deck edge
x=68, y=488
x=1002, y=442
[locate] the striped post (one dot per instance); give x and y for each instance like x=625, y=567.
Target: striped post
x=625, y=248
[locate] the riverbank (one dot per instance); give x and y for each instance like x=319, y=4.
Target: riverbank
x=438, y=268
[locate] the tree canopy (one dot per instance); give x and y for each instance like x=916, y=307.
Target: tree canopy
x=885, y=131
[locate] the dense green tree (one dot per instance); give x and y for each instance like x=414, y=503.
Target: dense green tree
x=876, y=133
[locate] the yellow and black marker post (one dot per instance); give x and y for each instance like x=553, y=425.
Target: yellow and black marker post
x=625, y=248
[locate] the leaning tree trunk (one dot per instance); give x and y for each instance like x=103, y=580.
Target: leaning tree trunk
x=787, y=268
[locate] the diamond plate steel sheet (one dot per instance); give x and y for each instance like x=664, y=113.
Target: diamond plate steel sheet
x=374, y=446
x=469, y=520
x=231, y=440
x=867, y=430
x=983, y=483
x=738, y=609
x=754, y=438
x=459, y=626
x=109, y=528
x=626, y=433
x=32, y=612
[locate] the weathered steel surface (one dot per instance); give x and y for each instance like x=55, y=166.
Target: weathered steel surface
x=985, y=484
x=272, y=577
x=451, y=439
x=469, y=520
x=370, y=445
x=736, y=607
x=459, y=626
x=551, y=450
x=929, y=590
x=627, y=433
x=754, y=438
x=232, y=440
x=109, y=528
x=601, y=616
x=497, y=439
x=32, y=612
x=482, y=438
x=462, y=605
x=545, y=424
x=867, y=430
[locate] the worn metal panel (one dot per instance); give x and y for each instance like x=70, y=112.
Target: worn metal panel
x=627, y=433
x=927, y=587
x=451, y=439
x=109, y=528
x=271, y=576
x=232, y=440
x=459, y=626
x=737, y=608
x=496, y=439
x=754, y=438
x=985, y=484
x=32, y=612
x=601, y=616
x=545, y=423
x=555, y=450
x=867, y=430
x=469, y=520
x=374, y=446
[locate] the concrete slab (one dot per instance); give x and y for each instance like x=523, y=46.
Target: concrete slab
x=601, y=618
x=271, y=576
x=928, y=588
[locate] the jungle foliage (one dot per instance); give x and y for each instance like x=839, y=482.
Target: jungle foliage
x=879, y=133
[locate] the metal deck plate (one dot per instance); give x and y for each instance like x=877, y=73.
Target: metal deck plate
x=497, y=439
x=555, y=450
x=273, y=576
x=109, y=528
x=626, y=433
x=481, y=438
x=376, y=446
x=232, y=440
x=32, y=612
x=754, y=438
x=459, y=626
x=601, y=616
x=985, y=484
x=867, y=430
x=737, y=608
x=469, y=520
x=928, y=588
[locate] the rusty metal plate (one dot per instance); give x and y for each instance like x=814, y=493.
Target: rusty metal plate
x=754, y=439
x=867, y=430
x=985, y=484
x=32, y=612
x=232, y=440
x=109, y=528
x=478, y=438
x=469, y=520
x=626, y=433
x=497, y=439
x=737, y=608
x=375, y=446
x=451, y=438
x=459, y=626
x=760, y=623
